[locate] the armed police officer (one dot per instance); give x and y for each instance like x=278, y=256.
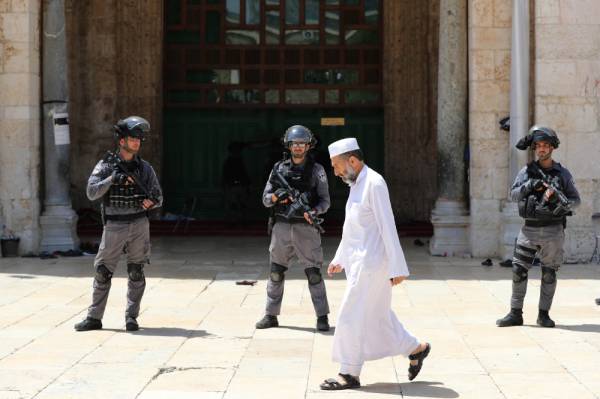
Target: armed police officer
x=128, y=188
x=546, y=195
x=297, y=192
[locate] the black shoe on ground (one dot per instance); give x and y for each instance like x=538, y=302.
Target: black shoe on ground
x=544, y=319
x=267, y=322
x=598, y=301
x=513, y=318
x=131, y=324
x=323, y=323
x=88, y=324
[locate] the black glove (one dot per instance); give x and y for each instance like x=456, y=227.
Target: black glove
x=561, y=210
x=282, y=194
x=535, y=184
x=118, y=177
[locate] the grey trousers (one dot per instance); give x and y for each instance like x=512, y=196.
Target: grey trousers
x=301, y=241
x=132, y=239
x=547, y=243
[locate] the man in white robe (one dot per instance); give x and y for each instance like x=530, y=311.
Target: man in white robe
x=371, y=256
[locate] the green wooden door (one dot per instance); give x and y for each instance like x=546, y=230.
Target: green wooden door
x=238, y=73
x=196, y=146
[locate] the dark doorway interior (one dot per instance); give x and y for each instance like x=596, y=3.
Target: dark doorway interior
x=237, y=73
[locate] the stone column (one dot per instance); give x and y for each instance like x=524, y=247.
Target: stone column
x=58, y=221
x=450, y=217
x=20, y=121
x=519, y=118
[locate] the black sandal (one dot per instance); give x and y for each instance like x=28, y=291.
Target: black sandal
x=413, y=369
x=331, y=384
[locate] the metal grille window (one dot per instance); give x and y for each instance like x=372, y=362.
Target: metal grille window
x=269, y=53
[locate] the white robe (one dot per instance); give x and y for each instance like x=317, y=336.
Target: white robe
x=370, y=254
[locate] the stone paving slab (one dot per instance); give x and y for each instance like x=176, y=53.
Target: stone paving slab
x=198, y=338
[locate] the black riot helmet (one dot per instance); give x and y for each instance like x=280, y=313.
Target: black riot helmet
x=542, y=133
x=538, y=133
x=132, y=126
x=298, y=134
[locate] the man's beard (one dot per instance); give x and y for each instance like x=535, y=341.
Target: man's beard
x=349, y=176
x=545, y=157
x=298, y=156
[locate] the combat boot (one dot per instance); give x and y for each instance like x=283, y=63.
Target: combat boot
x=131, y=324
x=513, y=318
x=267, y=322
x=88, y=324
x=544, y=319
x=323, y=323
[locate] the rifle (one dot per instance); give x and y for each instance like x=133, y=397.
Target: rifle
x=552, y=183
x=299, y=202
x=117, y=163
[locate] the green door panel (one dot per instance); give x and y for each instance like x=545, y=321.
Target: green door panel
x=196, y=147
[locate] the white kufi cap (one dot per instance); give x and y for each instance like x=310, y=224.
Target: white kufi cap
x=342, y=146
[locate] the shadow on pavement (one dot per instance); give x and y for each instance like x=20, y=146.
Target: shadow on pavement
x=581, y=327
x=309, y=329
x=428, y=389
x=164, y=332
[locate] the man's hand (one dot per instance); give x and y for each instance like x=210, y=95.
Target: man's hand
x=537, y=184
x=308, y=215
x=397, y=280
x=147, y=204
x=280, y=195
x=119, y=178
x=332, y=269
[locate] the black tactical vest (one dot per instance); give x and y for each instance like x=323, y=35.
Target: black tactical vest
x=126, y=195
x=553, y=173
x=529, y=204
x=299, y=177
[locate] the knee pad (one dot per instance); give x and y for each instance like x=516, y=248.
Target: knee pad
x=135, y=271
x=519, y=273
x=548, y=275
x=524, y=255
x=313, y=274
x=103, y=275
x=277, y=272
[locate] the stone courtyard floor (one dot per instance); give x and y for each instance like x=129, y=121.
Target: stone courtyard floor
x=198, y=338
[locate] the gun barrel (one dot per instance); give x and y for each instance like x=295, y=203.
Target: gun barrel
x=282, y=180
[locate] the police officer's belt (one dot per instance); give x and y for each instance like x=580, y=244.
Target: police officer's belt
x=542, y=223
x=126, y=217
x=291, y=220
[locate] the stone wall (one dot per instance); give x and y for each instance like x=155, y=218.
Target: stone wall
x=566, y=87
x=20, y=119
x=489, y=94
x=567, y=98
x=115, y=63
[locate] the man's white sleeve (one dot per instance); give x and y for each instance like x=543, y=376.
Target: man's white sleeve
x=384, y=217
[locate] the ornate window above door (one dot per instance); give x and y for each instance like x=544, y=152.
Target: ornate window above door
x=273, y=53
